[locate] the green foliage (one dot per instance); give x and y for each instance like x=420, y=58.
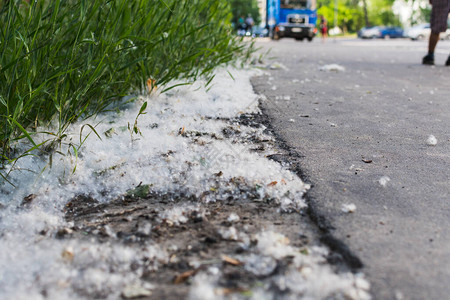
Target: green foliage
x=242, y=8
x=351, y=14
x=423, y=15
x=68, y=59
x=380, y=13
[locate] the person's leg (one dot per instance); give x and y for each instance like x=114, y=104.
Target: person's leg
x=438, y=23
x=447, y=63
x=432, y=42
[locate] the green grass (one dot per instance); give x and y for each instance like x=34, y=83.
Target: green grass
x=66, y=60
x=344, y=35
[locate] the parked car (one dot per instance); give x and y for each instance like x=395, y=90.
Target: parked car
x=380, y=32
x=369, y=32
x=391, y=32
x=446, y=35
x=418, y=32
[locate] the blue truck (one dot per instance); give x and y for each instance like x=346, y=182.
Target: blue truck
x=292, y=18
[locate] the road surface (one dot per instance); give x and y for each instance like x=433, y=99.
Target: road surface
x=362, y=134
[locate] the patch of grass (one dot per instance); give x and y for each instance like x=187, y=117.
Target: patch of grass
x=344, y=35
x=65, y=59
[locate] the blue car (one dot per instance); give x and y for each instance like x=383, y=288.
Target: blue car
x=391, y=32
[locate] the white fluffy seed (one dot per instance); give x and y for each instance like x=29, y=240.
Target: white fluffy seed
x=431, y=141
x=384, y=180
x=348, y=208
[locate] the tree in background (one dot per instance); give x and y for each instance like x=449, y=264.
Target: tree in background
x=350, y=15
x=241, y=8
x=412, y=12
x=424, y=14
x=366, y=14
x=355, y=14
x=380, y=13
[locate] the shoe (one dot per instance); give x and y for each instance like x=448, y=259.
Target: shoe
x=447, y=63
x=428, y=59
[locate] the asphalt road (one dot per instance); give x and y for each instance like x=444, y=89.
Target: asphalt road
x=355, y=127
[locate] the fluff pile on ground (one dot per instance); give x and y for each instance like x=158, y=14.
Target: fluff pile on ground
x=181, y=202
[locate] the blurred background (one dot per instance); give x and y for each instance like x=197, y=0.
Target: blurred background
x=361, y=18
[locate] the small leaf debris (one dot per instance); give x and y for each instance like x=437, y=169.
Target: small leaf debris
x=67, y=254
x=151, y=85
x=231, y=261
x=141, y=191
x=26, y=202
x=183, y=277
x=110, y=132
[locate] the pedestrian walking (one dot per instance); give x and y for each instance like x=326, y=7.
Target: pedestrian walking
x=323, y=26
x=249, y=22
x=438, y=23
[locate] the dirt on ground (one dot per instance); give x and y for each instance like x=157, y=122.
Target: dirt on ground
x=199, y=240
